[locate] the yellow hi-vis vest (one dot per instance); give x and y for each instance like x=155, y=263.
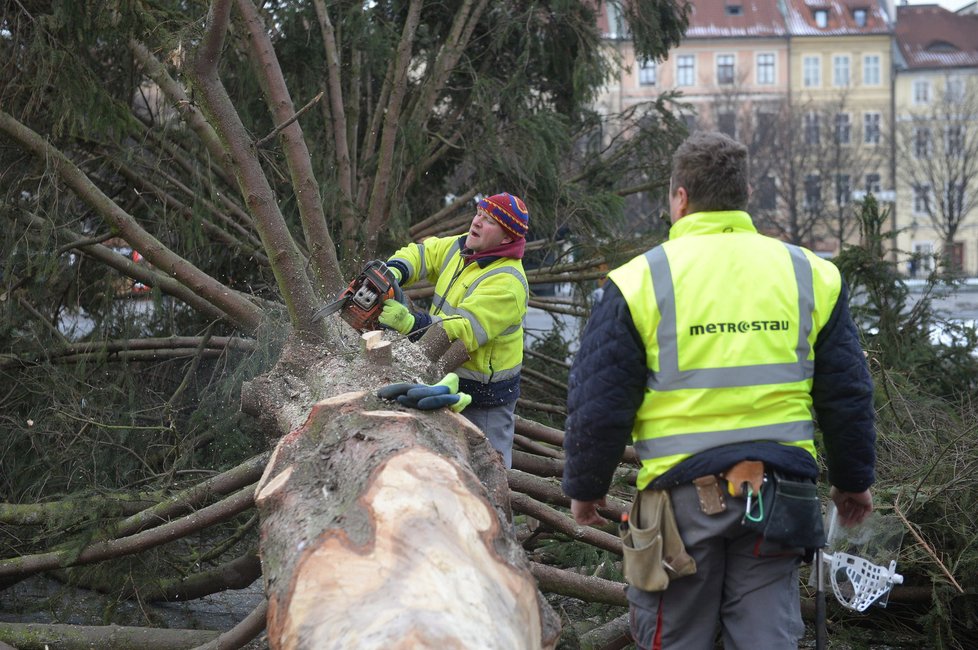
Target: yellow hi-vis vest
x=729, y=318
x=484, y=307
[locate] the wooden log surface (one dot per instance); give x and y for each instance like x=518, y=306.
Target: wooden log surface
x=385, y=527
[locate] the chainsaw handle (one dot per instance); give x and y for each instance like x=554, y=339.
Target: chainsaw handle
x=398, y=293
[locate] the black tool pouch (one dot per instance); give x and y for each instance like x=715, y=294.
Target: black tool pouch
x=788, y=512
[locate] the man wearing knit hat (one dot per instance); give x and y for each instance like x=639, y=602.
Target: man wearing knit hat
x=480, y=297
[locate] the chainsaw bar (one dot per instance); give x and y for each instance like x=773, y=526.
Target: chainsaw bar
x=332, y=307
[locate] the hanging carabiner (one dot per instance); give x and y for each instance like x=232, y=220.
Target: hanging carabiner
x=749, y=491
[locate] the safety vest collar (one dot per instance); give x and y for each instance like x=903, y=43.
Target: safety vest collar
x=711, y=223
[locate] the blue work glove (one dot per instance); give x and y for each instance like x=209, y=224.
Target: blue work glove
x=397, y=316
x=427, y=397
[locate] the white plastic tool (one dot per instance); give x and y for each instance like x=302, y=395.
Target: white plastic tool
x=861, y=559
x=858, y=583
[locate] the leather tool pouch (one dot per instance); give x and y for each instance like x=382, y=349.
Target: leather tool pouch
x=792, y=514
x=710, y=494
x=653, y=551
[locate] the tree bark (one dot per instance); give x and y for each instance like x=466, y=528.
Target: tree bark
x=38, y=636
x=385, y=526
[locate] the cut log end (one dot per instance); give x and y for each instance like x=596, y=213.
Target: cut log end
x=416, y=579
x=262, y=494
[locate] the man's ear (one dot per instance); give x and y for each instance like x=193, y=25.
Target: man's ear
x=507, y=240
x=683, y=198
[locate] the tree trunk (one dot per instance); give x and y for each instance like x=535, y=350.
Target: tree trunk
x=40, y=636
x=389, y=527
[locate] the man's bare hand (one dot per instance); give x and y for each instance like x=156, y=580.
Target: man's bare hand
x=853, y=507
x=586, y=512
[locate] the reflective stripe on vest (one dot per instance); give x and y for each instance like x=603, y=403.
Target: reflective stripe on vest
x=670, y=377
x=480, y=333
x=694, y=443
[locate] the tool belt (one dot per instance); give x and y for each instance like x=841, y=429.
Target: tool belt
x=653, y=551
x=784, y=509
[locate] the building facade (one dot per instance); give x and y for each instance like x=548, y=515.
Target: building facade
x=819, y=91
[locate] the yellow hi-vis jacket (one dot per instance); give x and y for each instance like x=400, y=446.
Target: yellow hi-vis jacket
x=482, y=306
x=729, y=318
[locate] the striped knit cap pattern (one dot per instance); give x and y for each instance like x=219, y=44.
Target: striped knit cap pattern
x=509, y=212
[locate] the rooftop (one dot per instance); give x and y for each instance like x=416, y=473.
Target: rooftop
x=835, y=18
x=930, y=36
x=735, y=18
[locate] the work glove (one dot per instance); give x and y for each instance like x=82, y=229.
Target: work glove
x=427, y=397
x=397, y=316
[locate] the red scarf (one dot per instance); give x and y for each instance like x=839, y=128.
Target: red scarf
x=513, y=249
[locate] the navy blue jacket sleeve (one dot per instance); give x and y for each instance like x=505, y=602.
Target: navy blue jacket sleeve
x=842, y=394
x=605, y=390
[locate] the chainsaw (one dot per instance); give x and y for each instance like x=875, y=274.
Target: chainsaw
x=360, y=303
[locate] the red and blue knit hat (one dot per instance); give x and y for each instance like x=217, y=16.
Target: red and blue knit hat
x=509, y=212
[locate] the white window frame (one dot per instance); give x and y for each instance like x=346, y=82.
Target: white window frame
x=923, y=250
x=772, y=68
x=733, y=68
x=954, y=198
x=874, y=183
x=868, y=119
x=821, y=17
x=647, y=70
x=921, y=198
x=843, y=189
x=811, y=125
x=842, y=125
x=955, y=148
x=920, y=91
x=841, y=66
x=876, y=67
x=680, y=69
x=954, y=89
x=928, y=142
x=811, y=71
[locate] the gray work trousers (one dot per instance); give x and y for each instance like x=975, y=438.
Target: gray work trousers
x=498, y=423
x=746, y=586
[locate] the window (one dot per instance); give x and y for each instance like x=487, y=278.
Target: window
x=685, y=70
x=871, y=70
x=727, y=124
x=840, y=70
x=765, y=69
x=813, y=192
x=811, y=71
x=954, y=140
x=954, y=199
x=646, y=73
x=921, y=91
x=842, y=189
x=954, y=90
x=821, y=18
x=921, y=199
x=921, y=142
x=859, y=17
x=617, y=27
x=922, y=262
x=956, y=256
x=843, y=128
x=811, y=128
x=733, y=10
x=766, y=193
x=690, y=121
x=725, y=69
x=873, y=183
x=871, y=128
x=766, y=129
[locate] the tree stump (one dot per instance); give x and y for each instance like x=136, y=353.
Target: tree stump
x=385, y=527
